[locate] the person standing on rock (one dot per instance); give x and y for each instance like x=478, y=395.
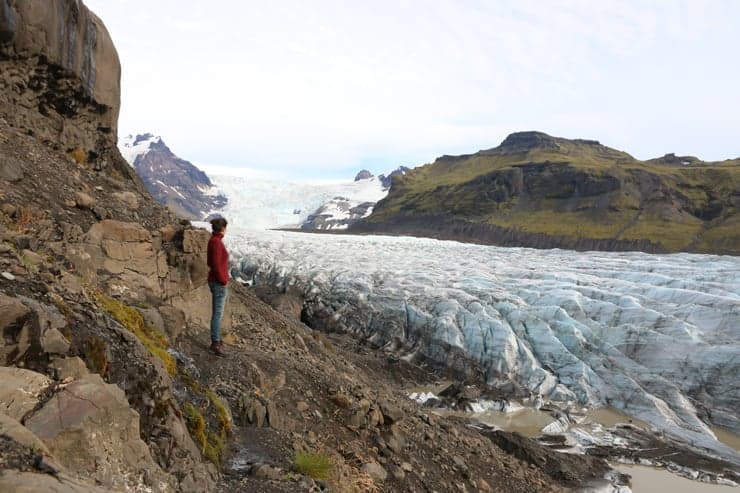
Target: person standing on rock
x=218, y=279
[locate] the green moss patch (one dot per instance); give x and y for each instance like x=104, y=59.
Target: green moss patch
x=209, y=434
x=211, y=443
x=673, y=235
x=155, y=341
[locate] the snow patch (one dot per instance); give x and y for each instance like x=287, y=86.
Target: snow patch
x=133, y=146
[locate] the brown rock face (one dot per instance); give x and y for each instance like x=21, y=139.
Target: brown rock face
x=15, y=403
x=59, y=74
x=91, y=429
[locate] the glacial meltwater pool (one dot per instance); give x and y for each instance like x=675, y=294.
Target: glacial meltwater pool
x=653, y=480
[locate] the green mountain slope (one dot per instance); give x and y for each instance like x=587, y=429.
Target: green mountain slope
x=542, y=191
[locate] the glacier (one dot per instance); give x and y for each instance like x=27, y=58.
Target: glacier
x=264, y=203
x=656, y=336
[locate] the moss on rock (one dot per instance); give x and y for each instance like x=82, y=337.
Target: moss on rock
x=155, y=341
x=209, y=434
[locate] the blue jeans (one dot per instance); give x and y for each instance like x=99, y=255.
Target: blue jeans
x=218, y=296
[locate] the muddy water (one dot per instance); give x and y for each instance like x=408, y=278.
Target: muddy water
x=610, y=417
x=527, y=421
x=728, y=438
x=652, y=480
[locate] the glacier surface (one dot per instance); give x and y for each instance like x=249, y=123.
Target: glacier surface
x=657, y=336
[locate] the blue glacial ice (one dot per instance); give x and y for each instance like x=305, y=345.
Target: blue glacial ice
x=657, y=336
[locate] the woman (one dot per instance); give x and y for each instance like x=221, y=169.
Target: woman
x=218, y=279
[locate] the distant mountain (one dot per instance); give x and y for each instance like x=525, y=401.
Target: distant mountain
x=342, y=211
x=388, y=180
x=172, y=181
x=541, y=191
x=338, y=213
x=363, y=175
x=345, y=209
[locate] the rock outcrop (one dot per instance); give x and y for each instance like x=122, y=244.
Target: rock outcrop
x=337, y=213
x=363, y=175
x=90, y=428
x=387, y=180
x=79, y=239
x=59, y=75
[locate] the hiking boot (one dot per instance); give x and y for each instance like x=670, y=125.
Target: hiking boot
x=217, y=348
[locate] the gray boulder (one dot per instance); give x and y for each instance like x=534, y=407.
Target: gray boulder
x=20, y=391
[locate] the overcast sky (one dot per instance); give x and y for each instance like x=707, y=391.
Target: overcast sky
x=324, y=88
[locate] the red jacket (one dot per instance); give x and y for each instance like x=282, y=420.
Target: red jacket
x=218, y=260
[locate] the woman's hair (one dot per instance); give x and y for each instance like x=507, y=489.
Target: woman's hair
x=218, y=224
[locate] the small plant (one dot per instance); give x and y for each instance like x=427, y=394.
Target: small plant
x=97, y=355
x=25, y=217
x=28, y=265
x=79, y=155
x=316, y=465
x=196, y=424
x=64, y=308
x=211, y=443
x=224, y=421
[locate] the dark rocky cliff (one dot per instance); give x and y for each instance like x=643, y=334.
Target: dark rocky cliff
x=59, y=76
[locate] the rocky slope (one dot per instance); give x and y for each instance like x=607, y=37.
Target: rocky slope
x=105, y=379
x=547, y=192
x=172, y=181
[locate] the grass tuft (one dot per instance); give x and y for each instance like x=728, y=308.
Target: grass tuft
x=316, y=465
x=79, y=156
x=26, y=217
x=97, y=355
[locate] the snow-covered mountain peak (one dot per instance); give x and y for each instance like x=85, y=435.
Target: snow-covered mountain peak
x=172, y=180
x=133, y=146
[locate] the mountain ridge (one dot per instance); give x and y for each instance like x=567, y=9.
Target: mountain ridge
x=549, y=192
x=172, y=181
